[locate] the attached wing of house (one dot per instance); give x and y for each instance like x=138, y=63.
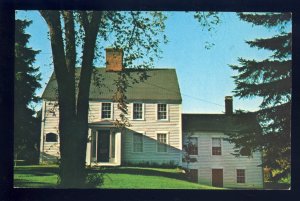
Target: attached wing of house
x=212, y=161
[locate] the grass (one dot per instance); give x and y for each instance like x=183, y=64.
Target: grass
x=114, y=178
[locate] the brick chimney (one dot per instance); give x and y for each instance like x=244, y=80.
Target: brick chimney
x=114, y=59
x=228, y=105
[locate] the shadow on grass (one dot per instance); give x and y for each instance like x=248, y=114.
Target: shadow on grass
x=141, y=171
x=21, y=183
x=35, y=170
x=276, y=186
x=45, y=172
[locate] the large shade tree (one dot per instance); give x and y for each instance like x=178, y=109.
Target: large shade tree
x=77, y=38
x=269, y=79
x=26, y=81
x=137, y=33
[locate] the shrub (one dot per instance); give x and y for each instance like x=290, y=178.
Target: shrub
x=95, y=179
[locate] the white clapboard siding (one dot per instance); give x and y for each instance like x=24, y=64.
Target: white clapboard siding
x=49, y=150
x=229, y=163
x=150, y=126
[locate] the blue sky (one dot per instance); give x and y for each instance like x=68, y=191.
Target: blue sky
x=204, y=74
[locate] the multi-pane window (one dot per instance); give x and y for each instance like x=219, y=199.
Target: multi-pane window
x=161, y=142
x=216, y=146
x=137, y=111
x=161, y=111
x=240, y=176
x=106, y=111
x=137, y=142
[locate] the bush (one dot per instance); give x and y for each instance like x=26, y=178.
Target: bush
x=169, y=164
x=94, y=180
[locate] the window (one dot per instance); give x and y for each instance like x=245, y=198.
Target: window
x=193, y=146
x=51, y=137
x=137, y=142
x=106, y=111
x=161, y=142
x=240, y=176
x=137, y=111
x=216, y=146
x=161, y=111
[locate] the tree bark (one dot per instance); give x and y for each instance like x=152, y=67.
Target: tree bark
x=73, y=118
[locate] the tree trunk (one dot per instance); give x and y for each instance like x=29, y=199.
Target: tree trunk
x=73, y=121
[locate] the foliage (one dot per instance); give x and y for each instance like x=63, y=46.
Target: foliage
x=26, y=81
x=270, y=79
x=171, y=164
x=188, y=149
x=137, y=33
x=208, y=21
x=94, y=180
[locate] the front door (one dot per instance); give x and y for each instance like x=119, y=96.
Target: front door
x=217, y=177
x=103, y=146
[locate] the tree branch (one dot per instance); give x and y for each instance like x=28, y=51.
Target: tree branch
x=87, y=62
x=70, y=41
x=84, y=21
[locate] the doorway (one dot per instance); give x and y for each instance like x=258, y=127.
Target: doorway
x=103, y=145
x=217, y=177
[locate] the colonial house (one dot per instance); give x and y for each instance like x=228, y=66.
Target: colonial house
x=211, y=158
x=158, y=128
x=154, y=112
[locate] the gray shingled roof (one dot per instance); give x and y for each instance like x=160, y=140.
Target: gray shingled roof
x=160, y=86
x=219, y=122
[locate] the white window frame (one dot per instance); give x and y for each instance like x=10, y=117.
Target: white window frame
x=111, y=111
x=212, y=146
x=167, y=115
x=143, y=141
x=167, y=140
x=236, y=176
x=143, y=111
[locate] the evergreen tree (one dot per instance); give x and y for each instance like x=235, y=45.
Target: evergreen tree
x=270, y=79
x=26, y=80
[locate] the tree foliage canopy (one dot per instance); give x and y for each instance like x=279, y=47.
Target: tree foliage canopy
x=77, y=37
x=26, y=81
x=269, y=79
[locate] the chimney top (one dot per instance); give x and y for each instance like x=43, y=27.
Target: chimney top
x=228, y=105
x=114, y=59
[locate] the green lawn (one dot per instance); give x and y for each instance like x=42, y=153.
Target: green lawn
x=115, y=177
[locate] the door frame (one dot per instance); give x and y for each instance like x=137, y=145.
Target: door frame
x=90, y=147
x=109, y=133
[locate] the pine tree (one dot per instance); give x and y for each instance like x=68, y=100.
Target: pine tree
x=26, y=80
x=270, y=79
